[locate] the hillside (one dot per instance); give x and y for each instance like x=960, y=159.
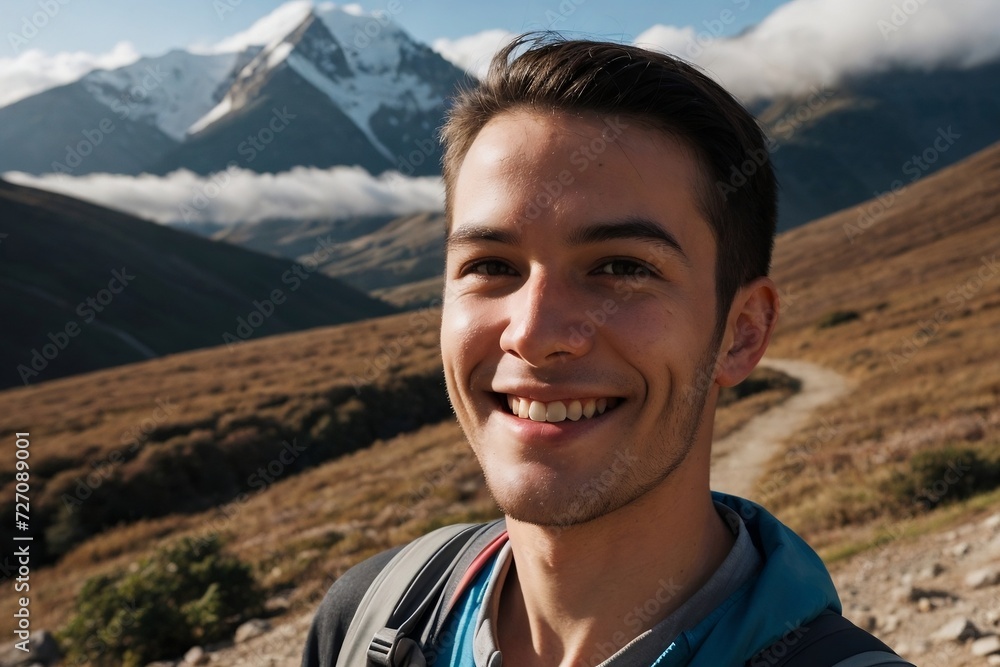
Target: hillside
x=855, y=307
x=836, y=147
x=370, y=254
x=917, y=287
x=85, y=287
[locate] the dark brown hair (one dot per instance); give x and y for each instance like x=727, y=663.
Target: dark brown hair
x=738, y=195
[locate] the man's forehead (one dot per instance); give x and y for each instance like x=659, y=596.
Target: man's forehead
x=561, y=148
x=541, y=162
x=536, y=132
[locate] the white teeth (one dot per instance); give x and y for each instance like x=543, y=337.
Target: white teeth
x=557, y=411
x=537, y=411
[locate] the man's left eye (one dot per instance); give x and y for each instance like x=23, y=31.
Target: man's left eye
x=624, y=267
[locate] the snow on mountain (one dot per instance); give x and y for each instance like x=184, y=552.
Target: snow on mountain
x=389, y=86
x=386, y=62
x=359, y=109
x=357, y=81
x=379, y=79
x=378, y=55
x=268, y=30
x=170, y=92
x=273, y=54
x=217, y=112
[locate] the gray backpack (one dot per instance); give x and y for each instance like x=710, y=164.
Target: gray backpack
x=404, y=610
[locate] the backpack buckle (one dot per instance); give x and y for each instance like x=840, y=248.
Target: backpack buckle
x=391, y=648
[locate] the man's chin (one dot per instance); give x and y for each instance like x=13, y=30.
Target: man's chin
x=551, y=521
x=545, y=509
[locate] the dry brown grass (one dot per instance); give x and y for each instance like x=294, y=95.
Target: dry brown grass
x=226, y=416
x=914, y=390
x=304, y=531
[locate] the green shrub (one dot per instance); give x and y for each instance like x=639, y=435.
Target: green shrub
x=836, y=317
x=186, y=594
x=945, y=475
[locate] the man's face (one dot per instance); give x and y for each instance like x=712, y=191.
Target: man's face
x=579, y=312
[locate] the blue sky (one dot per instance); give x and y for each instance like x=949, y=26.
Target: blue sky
x=96, y=26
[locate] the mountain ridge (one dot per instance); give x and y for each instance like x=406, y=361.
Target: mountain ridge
x=87, y=287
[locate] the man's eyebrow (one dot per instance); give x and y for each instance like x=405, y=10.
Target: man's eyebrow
x=470, y=234
x=634, y=228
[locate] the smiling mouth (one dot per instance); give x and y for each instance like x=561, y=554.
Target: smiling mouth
x=557, y=411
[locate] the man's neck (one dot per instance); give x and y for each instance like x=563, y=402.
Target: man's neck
x=576, y=592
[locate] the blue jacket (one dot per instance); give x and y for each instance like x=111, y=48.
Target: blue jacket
x=792, y=588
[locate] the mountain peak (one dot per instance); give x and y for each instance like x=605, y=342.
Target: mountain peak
x=388, y=85
x=269, y=30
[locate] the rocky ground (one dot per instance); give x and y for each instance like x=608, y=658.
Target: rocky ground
x=267, y=646
x=936, y=599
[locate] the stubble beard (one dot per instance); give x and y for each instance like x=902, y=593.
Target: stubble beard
x=550, y=504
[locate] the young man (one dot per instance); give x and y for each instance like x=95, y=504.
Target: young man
x=604, y=280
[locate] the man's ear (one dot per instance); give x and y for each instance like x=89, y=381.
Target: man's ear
x=752, y=318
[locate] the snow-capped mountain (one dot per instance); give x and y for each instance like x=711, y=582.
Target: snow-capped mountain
x=325, y=94
x=319, y=87
x=170, y=92
x=118, y=121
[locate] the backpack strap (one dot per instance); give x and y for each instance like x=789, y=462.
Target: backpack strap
x=827, y=640
x=482, y=548
x=399, y=602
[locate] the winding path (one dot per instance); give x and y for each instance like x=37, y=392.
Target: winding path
x=738, y=460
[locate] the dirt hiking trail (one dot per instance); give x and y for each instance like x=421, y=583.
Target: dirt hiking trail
x=738, y=460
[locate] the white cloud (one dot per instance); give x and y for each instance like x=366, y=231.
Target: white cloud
x=271, y=28
x=34, y=71
x=239, y=195
x=473, y=53
x=813, y=43
x=670, y=39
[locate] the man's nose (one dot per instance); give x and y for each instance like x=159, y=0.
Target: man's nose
x=545, y=322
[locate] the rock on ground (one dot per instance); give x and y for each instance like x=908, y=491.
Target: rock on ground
x=939, y=620
x=252, y=628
